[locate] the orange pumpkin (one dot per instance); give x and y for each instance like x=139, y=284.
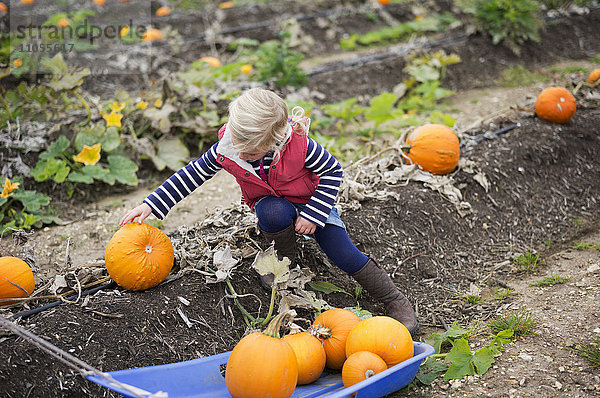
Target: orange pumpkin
x=556, y=105
x=434, y=147
x=381, y=335
x=162, y=11
x=310, y=355
x=360, y=366
x=100, y=2
x=383, y=2
x=3, y=7
x=211, y=61
x=139, y=256
x=16, y=279
x=152, y=35
x=262, y=365
x=339, y=322
x=27, y=1
x=594, y=77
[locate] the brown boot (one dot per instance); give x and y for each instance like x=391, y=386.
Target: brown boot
x=285, y=246
x=375, y=280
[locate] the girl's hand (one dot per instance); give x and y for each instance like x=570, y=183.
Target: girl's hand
x=143, y=211
x=303, y=226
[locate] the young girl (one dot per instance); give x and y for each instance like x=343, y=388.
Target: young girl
x=289, y=181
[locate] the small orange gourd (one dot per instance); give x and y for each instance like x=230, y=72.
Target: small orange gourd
x=152, y=35
x=310, y=355
x=556, y=105
x=138, y=256
x=162, y=11
x=262, y=365
x=360, y=366
x=381, y=335
x=339, y=322
x=594, y=77
x=16, y=279
x=211, y=61
x=434, y=147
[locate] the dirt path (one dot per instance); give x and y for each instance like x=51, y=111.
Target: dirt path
x=542, y=365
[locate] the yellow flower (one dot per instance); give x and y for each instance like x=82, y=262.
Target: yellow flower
x=124, y=31
x=158, y=103
x=90, y=155
x=418, y=18
x=113, y=119
x=8, y=188
x=246, y=69
x=117, y=106
x=17, y=62
x=142, y=105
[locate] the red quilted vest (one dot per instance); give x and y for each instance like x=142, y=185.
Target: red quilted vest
x=288, y=178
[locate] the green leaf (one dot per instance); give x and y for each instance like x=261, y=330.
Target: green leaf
x=171, y=153
x=160, y=117
x=423, y=73
x=345, y=109
x=382, y=108
x=326, y=287
x=57, y=64
x=62, y=173
x=461, y=361
x=483, y=359
x=32, y=201
x=430, y=370
x=436, y=340
x=55, y=168
x=360, y=312
x=3, y=201
x=123, y=169
x=56, y=148
x=98, y=134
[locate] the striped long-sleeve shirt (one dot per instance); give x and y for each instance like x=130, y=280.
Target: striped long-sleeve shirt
x=188, y=178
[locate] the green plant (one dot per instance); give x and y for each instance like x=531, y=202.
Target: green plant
x=23, y=209
x=504, y=293
x=470, y=298
x=274, y=59
x=527, y=262
x=550, y=281
x=511, y=22
x=521, y=322
x=589, y=352
x=459, y=361
x=577, y=221
x=346, y=111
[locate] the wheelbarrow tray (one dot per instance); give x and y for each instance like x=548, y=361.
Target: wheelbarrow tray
x=203, y=378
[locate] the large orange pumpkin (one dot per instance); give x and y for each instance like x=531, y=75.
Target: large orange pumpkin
x=262, y=365
x=434, y=147
x=139, y=256
x=381, y=335
x=339, y=322
x=360, y=366
x=16, y=279
x=556, y=105
x=310, y=355
x=594, y=77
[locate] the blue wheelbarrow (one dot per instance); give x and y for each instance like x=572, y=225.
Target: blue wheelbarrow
x=203, y=377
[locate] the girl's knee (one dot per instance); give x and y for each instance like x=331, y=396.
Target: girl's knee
x=274, y=213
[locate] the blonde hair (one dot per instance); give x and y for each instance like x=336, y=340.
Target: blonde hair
x=259, y=121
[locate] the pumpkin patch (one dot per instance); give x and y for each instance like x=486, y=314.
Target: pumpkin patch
x=139, y=256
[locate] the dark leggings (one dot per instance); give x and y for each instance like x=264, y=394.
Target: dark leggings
x=276, y=214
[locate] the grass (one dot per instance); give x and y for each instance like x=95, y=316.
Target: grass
x=585, y=246
x=519, y=76
x=589, y=352
x=521, y=322
x=502, y=294
x=469, y=298
x=527, y=262
x=550, y=281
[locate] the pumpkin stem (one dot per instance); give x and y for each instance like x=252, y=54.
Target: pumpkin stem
x=320, y=332
x=369, y=373
x=274, y=326
x=405, y=148
x=148, y=249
